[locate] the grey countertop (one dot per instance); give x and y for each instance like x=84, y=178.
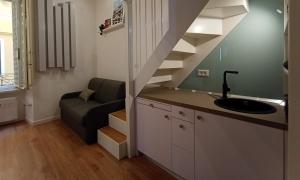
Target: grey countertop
x=201, y=101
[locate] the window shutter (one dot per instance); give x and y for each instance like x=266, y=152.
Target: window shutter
x=22, y=54
x=30, y=41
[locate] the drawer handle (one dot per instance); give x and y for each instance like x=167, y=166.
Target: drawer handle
x=181, y=113
x=167, y=117
x=181, y=126
x=200, y=118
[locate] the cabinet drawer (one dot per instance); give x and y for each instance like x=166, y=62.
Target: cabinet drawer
x=183, y=163
x=183, y=134
x=183, y=113
x=154, y=104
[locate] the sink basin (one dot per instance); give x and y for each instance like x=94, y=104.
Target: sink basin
x=245, y=106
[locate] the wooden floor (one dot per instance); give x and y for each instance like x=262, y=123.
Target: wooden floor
x=53, y=151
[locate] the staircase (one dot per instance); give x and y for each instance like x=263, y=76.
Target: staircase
x=206, y=32
x=169, y=38
x=113, y=138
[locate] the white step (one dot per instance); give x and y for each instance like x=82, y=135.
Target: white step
x=226, y=3
x=184, y=47
x=117, y=121
x=113, y=141
x=225, y=8
x=159, y=79
x=169, y=64
x=206, y=26
x=201, y=37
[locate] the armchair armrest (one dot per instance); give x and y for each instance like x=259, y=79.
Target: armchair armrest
x=71, y=95
x=98, y=117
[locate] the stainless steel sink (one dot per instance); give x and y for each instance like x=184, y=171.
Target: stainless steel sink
x=245, y=106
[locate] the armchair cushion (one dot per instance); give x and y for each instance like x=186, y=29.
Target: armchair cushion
x=71, y=95
x=77, y=108
x=86, y=94
x=95, y=83
x=110, y=90
x=101, y=112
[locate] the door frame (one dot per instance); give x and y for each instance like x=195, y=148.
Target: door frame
x=293, y=168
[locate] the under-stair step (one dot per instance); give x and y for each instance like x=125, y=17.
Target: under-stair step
x=224, y=13
x=225, y=8
x=120, y=114
x=184, y=47
x=201, y=36
x=169, y=64
x=117, y=121
x=206, y=26
x=212, y=4
x=160, y=79
x=113, y=141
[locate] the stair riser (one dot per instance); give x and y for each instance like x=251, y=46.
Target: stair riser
x=117, y=150
x=159, y=79
x=184, y=47
x=118, y=124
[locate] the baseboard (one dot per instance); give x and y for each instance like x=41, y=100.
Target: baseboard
x=44, y=120
x=10, y=122
x=161, y=166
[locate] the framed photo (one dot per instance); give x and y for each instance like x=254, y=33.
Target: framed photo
x=118, y=13
x=107, y=23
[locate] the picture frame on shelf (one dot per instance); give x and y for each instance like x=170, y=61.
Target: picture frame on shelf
x=118, y=13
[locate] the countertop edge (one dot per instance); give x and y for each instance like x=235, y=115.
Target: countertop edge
x=222, y=113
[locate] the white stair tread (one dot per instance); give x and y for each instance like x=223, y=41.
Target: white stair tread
x=169, y=64
x=201, y=36
x=224, y=12
x=159, y=79
x=226, y=3
x=206, y=26
x=184, y=47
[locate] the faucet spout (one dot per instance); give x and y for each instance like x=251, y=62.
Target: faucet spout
x=226, y=89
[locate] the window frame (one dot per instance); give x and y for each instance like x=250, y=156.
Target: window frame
x=2, y=56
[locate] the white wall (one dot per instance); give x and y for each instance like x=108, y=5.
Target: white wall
x=112, y=47
x=50, y=86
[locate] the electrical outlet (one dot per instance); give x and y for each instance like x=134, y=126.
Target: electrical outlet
x=203, y=73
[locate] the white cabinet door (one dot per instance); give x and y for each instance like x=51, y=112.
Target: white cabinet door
x=183, y=162
x=183, y=134
x=154, y=133
x=183, y=158
x=229, y=149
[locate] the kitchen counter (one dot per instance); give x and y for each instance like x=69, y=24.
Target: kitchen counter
x=202, y=101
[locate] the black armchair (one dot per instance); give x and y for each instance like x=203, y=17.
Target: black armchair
x=86, y=117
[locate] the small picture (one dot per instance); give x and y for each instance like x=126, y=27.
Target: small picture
x=118, y=14
x=107, y=23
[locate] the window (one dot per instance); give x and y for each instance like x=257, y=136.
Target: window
x=1, y=54
x=15, y=43
x=6, y=45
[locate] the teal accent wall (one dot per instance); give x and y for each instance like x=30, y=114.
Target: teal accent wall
x=255, y=48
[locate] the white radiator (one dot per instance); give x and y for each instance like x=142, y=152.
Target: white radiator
x=8, y=109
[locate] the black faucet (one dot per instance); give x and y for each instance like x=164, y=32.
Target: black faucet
x=226, y=89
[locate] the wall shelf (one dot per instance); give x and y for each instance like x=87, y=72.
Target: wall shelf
x=113, y=28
